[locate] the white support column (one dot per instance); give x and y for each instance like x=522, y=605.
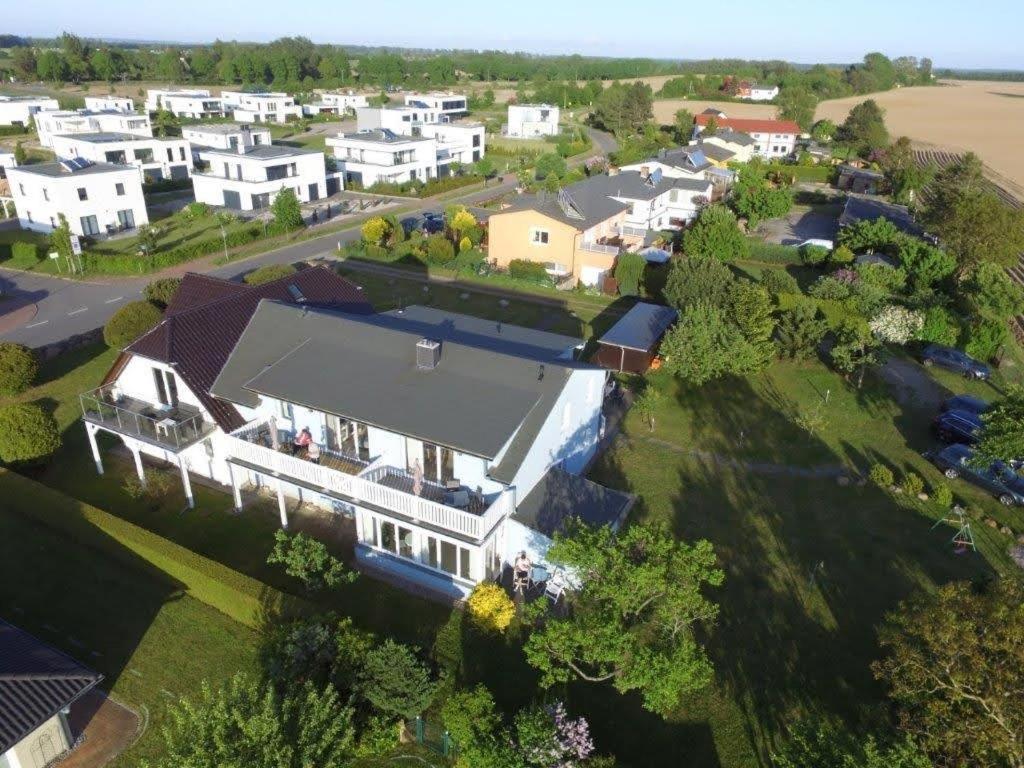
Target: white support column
x=91, y=431
x=186, y=482
x=281, y=504
x=138, y=464
x=236, y=490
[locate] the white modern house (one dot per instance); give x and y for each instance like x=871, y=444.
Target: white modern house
x=157, y=159
x=19, y=110
x=192, y=104
x=261, y=107
x=448, y=104
x=772, y=138
x=50, y=124
x=105, y=103
x=248, y=177
x=527, y=121
x=451, y=443
x=97, y=199
x=335, y=103
x=224, y=136
x=456, y=142
x=758, y=92
x=404, y=120
x=384, y=156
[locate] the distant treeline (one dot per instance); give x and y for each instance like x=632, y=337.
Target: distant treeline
x=1004, y=75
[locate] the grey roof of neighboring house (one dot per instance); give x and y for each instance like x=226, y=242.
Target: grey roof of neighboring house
x=560, y=496
x=225, y=128
x=263, y=152
x=501, y=337
x=734, y=137
x=382, y=136
x=641, y=327
x=364, y=368
x=691, y=158
x=36, y=682
x=56, y=169
x=109, y=137
x=715, y=152
x=864, y=172
x=859, y=208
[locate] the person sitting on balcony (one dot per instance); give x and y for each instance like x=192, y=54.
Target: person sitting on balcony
x=302, y=441
x=313, y=453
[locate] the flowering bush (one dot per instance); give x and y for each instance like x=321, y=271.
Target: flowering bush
x=896, y=324
x=490, y=608
x=548, y=737
x=847, y=276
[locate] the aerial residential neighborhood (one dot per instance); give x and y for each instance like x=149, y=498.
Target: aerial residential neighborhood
x=519, y=388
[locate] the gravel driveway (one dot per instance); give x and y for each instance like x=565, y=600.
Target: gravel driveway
x=802, y=224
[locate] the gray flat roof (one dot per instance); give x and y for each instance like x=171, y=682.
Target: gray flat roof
x=55, y=169
x=224, y=128
x=109, y=137
x=379, y=136
x=560, y=496
x=364, y=368
x=263, y=152
x=641, y=327
x=859, y=208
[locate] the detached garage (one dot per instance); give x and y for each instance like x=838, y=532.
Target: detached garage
x=631, y=345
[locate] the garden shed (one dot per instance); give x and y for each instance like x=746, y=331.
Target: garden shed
x=631, y=345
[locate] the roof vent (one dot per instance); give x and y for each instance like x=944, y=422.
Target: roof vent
x=428, y=354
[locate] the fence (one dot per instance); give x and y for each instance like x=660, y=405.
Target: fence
x=432, y=735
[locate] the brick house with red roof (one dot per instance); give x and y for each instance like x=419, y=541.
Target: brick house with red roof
x=772, y=138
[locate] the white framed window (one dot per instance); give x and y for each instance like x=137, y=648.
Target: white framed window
x=539, y=236
x=284, y=410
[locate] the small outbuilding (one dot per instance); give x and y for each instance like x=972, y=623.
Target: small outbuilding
x=631, y=345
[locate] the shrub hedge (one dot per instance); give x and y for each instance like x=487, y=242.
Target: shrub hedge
x=244, y=599
x=105, y=262
x=22, y=251
x=530, y=271
x=772, y=253
x=13, y=130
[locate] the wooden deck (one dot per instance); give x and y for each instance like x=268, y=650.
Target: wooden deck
x=402, y=481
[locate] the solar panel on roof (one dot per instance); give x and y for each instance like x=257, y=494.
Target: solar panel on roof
x=656, y=176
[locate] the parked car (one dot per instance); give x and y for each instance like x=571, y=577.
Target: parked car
x=958, y=427
x=819, y=242
x=998, y=478
x=968, y=403
x=433, y=222
x=954, y=360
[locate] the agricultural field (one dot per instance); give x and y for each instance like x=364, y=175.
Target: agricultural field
x=665, y=109
x=981, y=117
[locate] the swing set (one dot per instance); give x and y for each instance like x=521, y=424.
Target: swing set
x=963, y=538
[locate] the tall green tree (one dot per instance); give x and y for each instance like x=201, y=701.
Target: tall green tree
x=394, y=681
x=864, y=127
x=797, y=104
x=682, y=126
x=822, y=744
x=716, y=235
x=752, y=310
x=697, y=279
x=756, y=199
x=705, y=345
x=855, y=350
x=800, y=331
x=954, y=667
x=1003, y=436
x=286, y=210
x=23, y=57
x=634, y=615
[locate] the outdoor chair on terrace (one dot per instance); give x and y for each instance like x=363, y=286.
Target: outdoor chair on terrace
x=554, y=588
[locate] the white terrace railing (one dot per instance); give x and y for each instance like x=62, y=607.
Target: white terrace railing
x=365, y=488
x=611, y=250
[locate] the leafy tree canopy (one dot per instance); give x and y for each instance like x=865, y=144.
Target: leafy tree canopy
x=27, y=433
x=715, y=234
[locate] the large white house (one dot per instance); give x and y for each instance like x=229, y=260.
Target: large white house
x=156, y=159
x=384, y=156
x=461, y=142
x=404, y=120
x=261, y=107
x=224, y=135
x=193, y=104
x=451, y=443
x=105, y=103
x=526, y=121
x=449, y=104
x=335, y=103
x=96, y=198
x=249, y=177
x=50, y=124
x=772, y=138
x=757, y=92
x=19, y=110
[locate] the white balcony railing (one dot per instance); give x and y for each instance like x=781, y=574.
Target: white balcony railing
x=627, y=231
x=611, y=250
x=366, y=488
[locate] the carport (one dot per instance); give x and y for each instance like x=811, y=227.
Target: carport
x=631, y=345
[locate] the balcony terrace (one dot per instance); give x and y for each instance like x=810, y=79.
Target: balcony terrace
x=172, y=427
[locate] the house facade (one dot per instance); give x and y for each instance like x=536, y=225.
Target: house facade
x=449, y=105
x=772, y=138
x=526, y=121
x=97, y=199
x=433, y=430
x=757, y=92
x=157, y=159
x=39, y=685
x=224, y=136
x=333, y=103
x=110, y=103
x=461, y=142
x=193, y=104
x=384, y=156
x=740, y=145
x=249, y=177
x=50, y=124
x=263, y=107
x=19, y=110
x=406, y=121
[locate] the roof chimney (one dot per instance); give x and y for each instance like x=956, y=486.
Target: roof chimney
x=645, y=171
x=428, y=354
x=246, y=139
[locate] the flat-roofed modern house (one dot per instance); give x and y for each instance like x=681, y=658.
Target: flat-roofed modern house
x=224, y=136
x=248, y=177
x=38, y=686
x=157, y=159
x=772, y=138
x=105, y=103
x=449, y=441
x=456, y=142
x=19, y=110
x=335, y=103
x=195, y=104
x=97, y=199
x=448, y=104
x=62, y=123
x=370, y=157
x=260, y=107
x=404, y=120
x=527, y=121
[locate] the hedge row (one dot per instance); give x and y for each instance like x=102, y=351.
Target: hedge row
x=244, y=599
x=13, y=130
x=772, y=253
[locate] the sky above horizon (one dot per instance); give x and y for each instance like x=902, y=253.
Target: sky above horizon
x=986, y=36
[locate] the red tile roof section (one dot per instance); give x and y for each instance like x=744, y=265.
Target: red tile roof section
x=750, y=125
x=197, y=289
x=198, y=340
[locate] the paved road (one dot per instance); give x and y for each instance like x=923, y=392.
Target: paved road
x=40, y=309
